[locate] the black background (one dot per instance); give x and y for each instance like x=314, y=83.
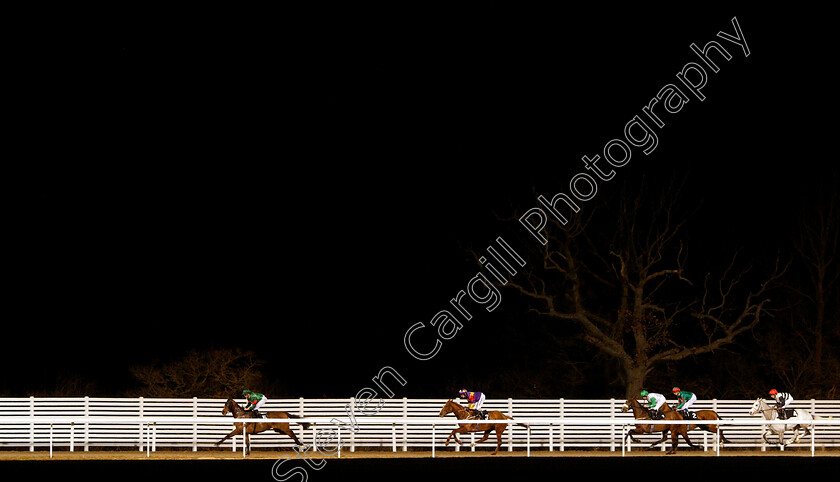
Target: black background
x=307, y=189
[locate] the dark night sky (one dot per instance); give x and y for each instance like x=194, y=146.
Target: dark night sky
x=308, y=195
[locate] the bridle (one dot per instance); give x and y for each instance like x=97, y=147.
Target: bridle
x=757, y=404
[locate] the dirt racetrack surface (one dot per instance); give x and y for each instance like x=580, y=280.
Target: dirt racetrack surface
x=390, y=466
x=376, y=454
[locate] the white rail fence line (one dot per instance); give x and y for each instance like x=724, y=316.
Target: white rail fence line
x=148, y=427
x=400, y=424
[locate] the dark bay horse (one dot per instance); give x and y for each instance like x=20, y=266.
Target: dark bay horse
x=641, y=413
x=708, y=415
x=463, y=413
x=257, y=427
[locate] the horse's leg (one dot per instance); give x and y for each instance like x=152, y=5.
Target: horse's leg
x=685, y=436
x=247, y=444
x=796, y=435
x=630, y=433
x=764, y=436
x=453, y=434
x=674, y=442
x=482, y=439
x=287, y=431
x=499, y=438
x=664, y=437
x=231, y=434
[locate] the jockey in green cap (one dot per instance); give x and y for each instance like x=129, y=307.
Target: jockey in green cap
x=655, y=400
x=253, y=401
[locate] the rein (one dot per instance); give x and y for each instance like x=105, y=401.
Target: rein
x=463, y=410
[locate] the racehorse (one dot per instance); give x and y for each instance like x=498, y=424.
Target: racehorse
x=703, y=415
x=798, y=421
x=257, y=427
x=640, y=413
x=462, y=413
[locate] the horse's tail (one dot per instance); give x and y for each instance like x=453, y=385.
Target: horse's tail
x=520, y=424
x=305, y=425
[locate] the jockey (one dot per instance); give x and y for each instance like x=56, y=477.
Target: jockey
x=474, y=402
x=253, y=401
x=783, y=399
x=655, y=400
x=686, y=399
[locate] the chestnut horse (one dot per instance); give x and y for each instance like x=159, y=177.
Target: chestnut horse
x=257, y=427
x=463, y=413
x=707, y=415
x=641, y=413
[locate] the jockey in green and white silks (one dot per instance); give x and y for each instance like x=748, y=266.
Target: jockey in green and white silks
x=686, y=399
x=655, y=400
x=253, y=401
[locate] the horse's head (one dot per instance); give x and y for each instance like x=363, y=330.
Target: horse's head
x=630, y=403
x=448, y=407
x=228, y=406
x=756, y=406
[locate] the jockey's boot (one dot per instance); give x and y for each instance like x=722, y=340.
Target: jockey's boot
x=257, y=413
x=782, y=414
x=484, y=414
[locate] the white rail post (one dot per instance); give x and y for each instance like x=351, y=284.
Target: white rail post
x=148, y=440
x=405, y=425
x=510, y=432
x=562, y=426
x=72, y=435
x=623, y=433
x=433, y=440
x=394, y=437
x=527, y=440
x=352, y=405
x=32, y=424
x=551, y=437
x=87, y=422
x=140, y=404
x=244, y=443
x=195, y=425
x=612, y=425
x=51, y=439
